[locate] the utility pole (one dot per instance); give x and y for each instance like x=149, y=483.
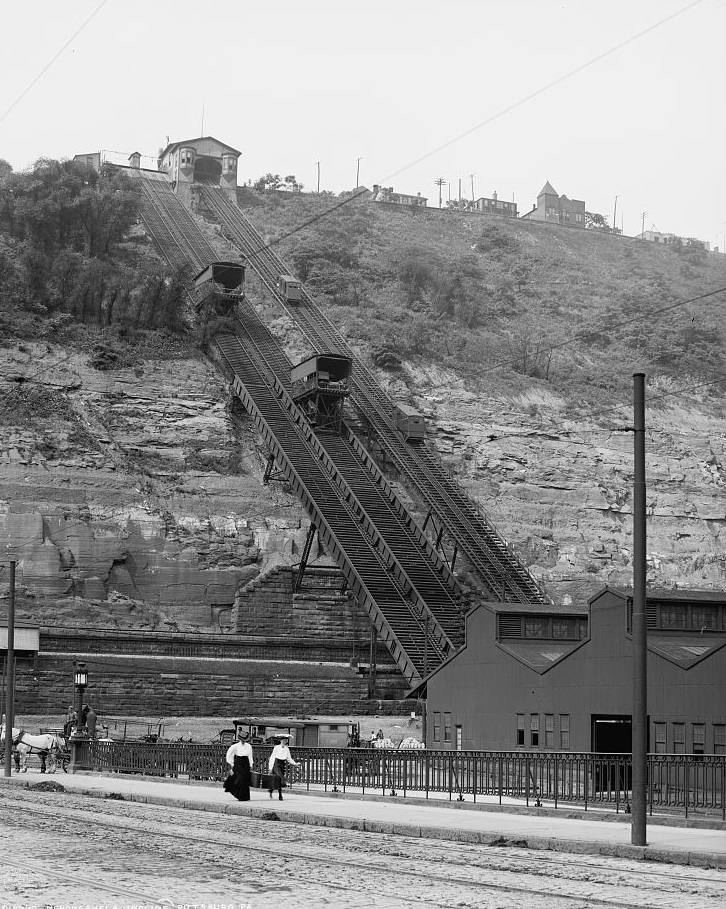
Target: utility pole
x=642, y=225
x=639, y=631
x=459, y=189
x=440, y=182
x=615, y=211
x=357, y=173
x=472, y=189
x=10, y=672
x=318, y=164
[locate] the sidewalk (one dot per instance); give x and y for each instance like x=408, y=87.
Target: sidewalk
x=692, y=842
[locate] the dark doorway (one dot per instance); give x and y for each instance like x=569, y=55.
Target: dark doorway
x=207, y=170
x=612, y=734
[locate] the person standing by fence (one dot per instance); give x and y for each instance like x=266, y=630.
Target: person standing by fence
x=239, y=758
x=278, y=763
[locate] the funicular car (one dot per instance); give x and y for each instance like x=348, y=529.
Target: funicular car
x=290, y=288
x=220, y=285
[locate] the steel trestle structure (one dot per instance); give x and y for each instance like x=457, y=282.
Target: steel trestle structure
x=388, y=561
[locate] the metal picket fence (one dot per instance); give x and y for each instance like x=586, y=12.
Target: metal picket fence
x=683, y=784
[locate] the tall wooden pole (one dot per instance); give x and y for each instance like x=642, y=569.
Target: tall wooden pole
x=640, y=652
x=10, y=672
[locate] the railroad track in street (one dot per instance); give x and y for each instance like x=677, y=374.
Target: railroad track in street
x=162, y=855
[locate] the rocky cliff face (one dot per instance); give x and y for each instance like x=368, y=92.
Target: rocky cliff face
x=132, y=497
x=561, y=490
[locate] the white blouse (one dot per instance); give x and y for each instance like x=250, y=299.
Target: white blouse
x=243, y=749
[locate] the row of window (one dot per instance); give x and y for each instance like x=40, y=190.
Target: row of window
x=688, y=738
x=690, y=616
x=547, y=627
x=700, y=617
x=552, y=731
x=547, y=735
x=562, y=215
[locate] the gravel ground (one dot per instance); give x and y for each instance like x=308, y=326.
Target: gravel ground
x=63, y=849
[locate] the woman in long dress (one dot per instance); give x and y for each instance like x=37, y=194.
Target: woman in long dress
x=239, y=758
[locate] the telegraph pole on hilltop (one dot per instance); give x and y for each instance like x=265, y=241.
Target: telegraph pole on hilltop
x=318, y=164
x=440, y=182
x=615, y=211
x=472, y=189
x=642, y=225
x=357, y=173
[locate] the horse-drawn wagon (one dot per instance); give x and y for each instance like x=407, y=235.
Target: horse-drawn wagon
x=49, y=744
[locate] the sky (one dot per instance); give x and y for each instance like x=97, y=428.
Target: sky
x=619, y=103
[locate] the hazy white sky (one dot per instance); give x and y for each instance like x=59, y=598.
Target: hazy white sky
x=417, y=89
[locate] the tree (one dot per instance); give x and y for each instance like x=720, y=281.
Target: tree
x=595, y=221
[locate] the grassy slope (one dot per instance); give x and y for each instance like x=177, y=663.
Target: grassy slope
x=531, y=288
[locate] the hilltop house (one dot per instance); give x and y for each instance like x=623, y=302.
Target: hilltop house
x=201, y=160
x=386, y=194
x=495, y=206
x=556, y=209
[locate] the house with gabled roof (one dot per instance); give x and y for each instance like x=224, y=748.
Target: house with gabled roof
x=556, y=209
x=201, y=160
x=560, y=678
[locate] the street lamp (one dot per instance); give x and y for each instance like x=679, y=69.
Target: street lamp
x=79, y=740
x=80, y=680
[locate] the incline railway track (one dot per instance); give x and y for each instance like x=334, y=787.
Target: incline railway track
x=418, y=609
x=145, y=852
x=505, y=578
x=398, y=614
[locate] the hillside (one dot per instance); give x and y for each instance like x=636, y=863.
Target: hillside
x=132, y=487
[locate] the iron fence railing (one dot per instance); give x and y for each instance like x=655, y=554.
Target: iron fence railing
x=685, y=784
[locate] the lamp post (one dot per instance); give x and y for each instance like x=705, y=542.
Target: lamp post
x=79, y=740
x=80, y=680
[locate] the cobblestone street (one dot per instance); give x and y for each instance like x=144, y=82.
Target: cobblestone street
x=61, y=848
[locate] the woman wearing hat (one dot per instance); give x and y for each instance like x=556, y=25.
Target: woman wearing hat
x=239, y=758
x=279, y=759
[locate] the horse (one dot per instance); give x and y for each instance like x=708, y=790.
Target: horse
x=46, y=745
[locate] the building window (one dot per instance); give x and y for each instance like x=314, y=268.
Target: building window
x=549, y=730
x=534, y=730
x=704, y=618
x=719, y=738
x=447, y=728
x=535, y=628
x=699, y=737
x=679, y=738
x=564, y=628
x=659, y=735
x=437, y=726
x=520, y=730
x=673, y=616
x=578, y=216
x=565, y=731
x=459, y=738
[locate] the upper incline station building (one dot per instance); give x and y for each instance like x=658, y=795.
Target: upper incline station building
x=561, y=678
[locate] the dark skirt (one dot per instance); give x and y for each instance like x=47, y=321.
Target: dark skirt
x=238, y=782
